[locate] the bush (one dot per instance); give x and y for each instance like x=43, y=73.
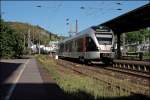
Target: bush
x=11, y=42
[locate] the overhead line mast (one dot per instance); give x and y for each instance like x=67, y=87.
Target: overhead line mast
x=76, y=26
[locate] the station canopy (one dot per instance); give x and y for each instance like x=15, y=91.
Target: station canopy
x=130, y=21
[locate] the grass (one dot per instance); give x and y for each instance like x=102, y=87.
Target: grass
x=146, y=55
x=72, y=83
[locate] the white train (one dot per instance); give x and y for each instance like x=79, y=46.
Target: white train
x=92, y=44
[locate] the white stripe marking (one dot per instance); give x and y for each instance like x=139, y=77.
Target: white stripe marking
x=15, y=82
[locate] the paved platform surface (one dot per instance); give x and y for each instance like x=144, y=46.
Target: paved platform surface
x=26, y=83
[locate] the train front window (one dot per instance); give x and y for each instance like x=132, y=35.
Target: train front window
x=90, y=44
x=104, y=40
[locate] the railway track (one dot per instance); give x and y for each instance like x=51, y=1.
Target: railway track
x=135, y=66
x=99, y=73
x=130, y=72
x=97, y=68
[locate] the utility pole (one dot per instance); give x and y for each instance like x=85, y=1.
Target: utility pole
x=29, y=38
x=29, y=41
x=39, y=44
x=118, y=46
x=124, y=48
x=76, y=26
x=33, y=35
x=70, y=30
x=24, y=39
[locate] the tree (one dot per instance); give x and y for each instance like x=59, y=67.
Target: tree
x=137, y=36
x=11, y=42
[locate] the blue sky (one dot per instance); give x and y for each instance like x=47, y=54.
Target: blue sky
x=52, y=15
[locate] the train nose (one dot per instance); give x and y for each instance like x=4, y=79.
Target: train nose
x=105, y=55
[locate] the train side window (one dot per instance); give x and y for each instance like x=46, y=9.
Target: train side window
x=61, y=48
x=70, y=46
x=76, y=45
x=90, y=44
x=80, y=45
x=66, y=47
x=73, y=46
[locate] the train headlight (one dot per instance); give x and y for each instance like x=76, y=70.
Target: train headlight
x=99, y=48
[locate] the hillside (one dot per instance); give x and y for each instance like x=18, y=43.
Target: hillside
x=35, y=32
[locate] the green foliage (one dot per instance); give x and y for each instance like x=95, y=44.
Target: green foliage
x=147, y=55
x=11, y=42
x=134, y=36
x=18, y=44
x=14, y=38
x=36, y=32
x=137, y=36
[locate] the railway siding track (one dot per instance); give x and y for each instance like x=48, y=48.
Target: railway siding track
x=107, y=76
x=138, y=66
x=141, y=74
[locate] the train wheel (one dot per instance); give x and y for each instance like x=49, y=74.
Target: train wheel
x=88, y=62
x=81, y=60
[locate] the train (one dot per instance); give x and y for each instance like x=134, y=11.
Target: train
x=92, y=44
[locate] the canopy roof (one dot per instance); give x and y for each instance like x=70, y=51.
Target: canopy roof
x=130, y=21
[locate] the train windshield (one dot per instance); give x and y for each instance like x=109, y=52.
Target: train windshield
x=104, y=39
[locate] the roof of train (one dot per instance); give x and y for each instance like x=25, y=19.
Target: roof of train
x=77, y=35
x=86, y=31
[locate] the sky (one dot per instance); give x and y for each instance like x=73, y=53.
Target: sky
x=54, y=15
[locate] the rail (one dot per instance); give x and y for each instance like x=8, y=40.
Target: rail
x=99, y=72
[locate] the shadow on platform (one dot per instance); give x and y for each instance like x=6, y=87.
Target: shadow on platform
x=7, y=69
x=52, y=91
